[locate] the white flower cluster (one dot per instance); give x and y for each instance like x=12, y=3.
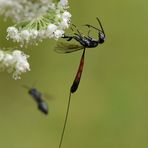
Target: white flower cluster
x=48, y=23
x=19, y=10
x=15, y=61
x=34, y=20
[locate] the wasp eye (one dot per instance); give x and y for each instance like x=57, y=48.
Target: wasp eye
x=102, y=36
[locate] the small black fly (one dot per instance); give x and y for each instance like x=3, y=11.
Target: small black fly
x=38, y=98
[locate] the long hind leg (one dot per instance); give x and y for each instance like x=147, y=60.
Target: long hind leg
x=69, y=38
x=78, y=32
x=76, y=36
x=88, y=34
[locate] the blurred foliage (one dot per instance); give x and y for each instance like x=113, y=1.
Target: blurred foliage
x=109, y=110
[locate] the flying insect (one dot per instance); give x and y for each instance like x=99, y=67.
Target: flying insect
x=38, y=98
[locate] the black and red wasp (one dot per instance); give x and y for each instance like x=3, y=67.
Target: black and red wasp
x=84, y=42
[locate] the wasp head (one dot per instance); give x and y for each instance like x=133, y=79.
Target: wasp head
x=35, y=94
x=101, y=37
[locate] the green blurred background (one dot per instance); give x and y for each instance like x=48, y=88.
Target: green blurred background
x=109, y=110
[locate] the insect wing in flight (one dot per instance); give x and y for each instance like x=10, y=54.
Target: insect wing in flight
x=62, y=47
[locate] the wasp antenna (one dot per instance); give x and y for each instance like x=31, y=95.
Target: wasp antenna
x=34, y=84
x=100, y=25
x=87, y=25
x=26, y=86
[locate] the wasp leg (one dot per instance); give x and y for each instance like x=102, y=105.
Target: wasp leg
x=88, y=34
x=92, y=27
x=69, y=38
x=79, y=33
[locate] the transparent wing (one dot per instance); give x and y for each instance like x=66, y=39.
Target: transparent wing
x=62, y=47
x=47, y=96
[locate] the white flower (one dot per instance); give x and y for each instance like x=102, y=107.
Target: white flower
x=22, y=66
x=64, y=2
x=15, y=61
x=8, y=60
x=50, y=22
x=16, y=53
x=33, y=33
x=66, y=15
x=58, y=33
x=42, y=34
x=12, y=31
x=64, y=24
x=65, y=20
x=52, y=28
x=25, y=35
x=20, y=10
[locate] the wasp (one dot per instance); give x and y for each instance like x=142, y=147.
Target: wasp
x=38, y=98
x=84, y=42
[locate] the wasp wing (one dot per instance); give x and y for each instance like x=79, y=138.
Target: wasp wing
x=47, y=96
x=62, y=47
